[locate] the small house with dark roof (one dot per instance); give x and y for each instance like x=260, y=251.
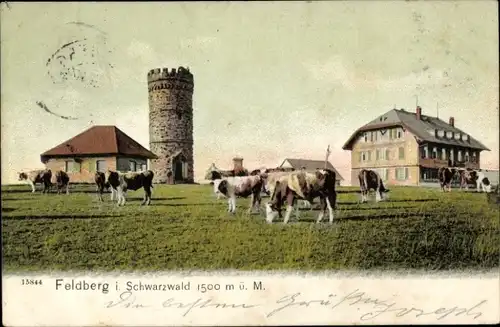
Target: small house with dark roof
x=309, y=166
x=97, y=149
x=408, y=148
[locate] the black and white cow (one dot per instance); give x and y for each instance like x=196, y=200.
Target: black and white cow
x=62, y=181
x=445, y=176
x=101, y=185
x=474, y=177
x=121, y=182
x=304, y=186
x=370, y=180
x=41, y=176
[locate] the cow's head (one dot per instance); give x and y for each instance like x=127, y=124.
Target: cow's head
x=220, y=187
x=22, y=176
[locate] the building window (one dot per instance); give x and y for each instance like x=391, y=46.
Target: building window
x=375, y=136
x=443, y=154
x=467, y=159
x=144, y=167
x=383, y=173
x=101, y=165
x=132, y=165
x=452, y=155
x=377, y=154
x=401, y=174
x=387, y=154
x=434, y=153
x=459, y=155
x=365, y=136
x=399, y=133
x=401, y=152
x=365, y=156
x=474, y=158
x=72, y=166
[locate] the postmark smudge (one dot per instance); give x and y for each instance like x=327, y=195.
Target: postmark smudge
x=44, y=107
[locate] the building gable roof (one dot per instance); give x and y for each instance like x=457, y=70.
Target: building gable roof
x=418, y=127
x=312, y=165
x=100, y=140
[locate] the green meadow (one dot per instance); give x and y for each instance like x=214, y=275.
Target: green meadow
x=186, y=227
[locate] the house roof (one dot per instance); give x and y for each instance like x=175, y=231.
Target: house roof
x=312, y=165
x=420, y=128
x=100, y=139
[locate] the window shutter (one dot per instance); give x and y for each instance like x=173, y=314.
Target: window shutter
x=386, y=154
x=406, y=173
x=377, y=154
x=360, y=156
x=369, y=155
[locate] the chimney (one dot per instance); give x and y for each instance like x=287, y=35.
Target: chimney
x=238, y=164
x=419, y=112
x=452, y=121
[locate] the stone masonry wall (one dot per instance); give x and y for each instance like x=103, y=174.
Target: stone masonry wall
x=170, y=119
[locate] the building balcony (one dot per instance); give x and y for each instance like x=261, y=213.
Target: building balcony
x=432, y=163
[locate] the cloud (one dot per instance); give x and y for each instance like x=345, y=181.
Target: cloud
x=337, y=71
x=334, y=70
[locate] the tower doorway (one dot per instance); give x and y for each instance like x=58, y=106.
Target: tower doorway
x=179, y=167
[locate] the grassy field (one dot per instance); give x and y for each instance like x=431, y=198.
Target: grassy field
x=187, y=228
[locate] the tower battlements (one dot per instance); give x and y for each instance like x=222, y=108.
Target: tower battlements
x=159, y=74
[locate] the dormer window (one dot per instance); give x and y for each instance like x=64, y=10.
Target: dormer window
x=399, y=133
x=449, y=135
x=365, y=136
x=440, y=133
x=457, y=136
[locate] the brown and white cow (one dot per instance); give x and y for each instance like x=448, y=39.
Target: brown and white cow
x=62, y=181
x=445, y=176
x=474, y=177
x=370, y=180
x=240, y=186
x=40, y=176
x=121, y=182
x=304, y=186
x=272, y=178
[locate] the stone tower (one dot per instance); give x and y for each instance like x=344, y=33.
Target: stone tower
x=171, y=124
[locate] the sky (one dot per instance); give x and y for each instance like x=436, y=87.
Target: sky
x=271, y=79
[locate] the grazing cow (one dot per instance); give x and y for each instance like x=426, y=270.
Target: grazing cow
x=101, y=185
x=474, y=177
x=272, y=178
x=121, y=182
x=493, y=197
x=445, y=176
x=62, y=181
x=370, y=180
x=42, y=176
x=240, y=186
x=305, y=186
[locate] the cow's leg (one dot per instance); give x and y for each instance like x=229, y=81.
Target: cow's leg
x=148, y=194
x=124, y=194
x=30, y=183
x=290, y=200
x=270, y=214
x=233, y=202
x=322, y=203
x=67, y=188
x=331, y=201
x=297, y=207
x=378, y=198
x=252, y=203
